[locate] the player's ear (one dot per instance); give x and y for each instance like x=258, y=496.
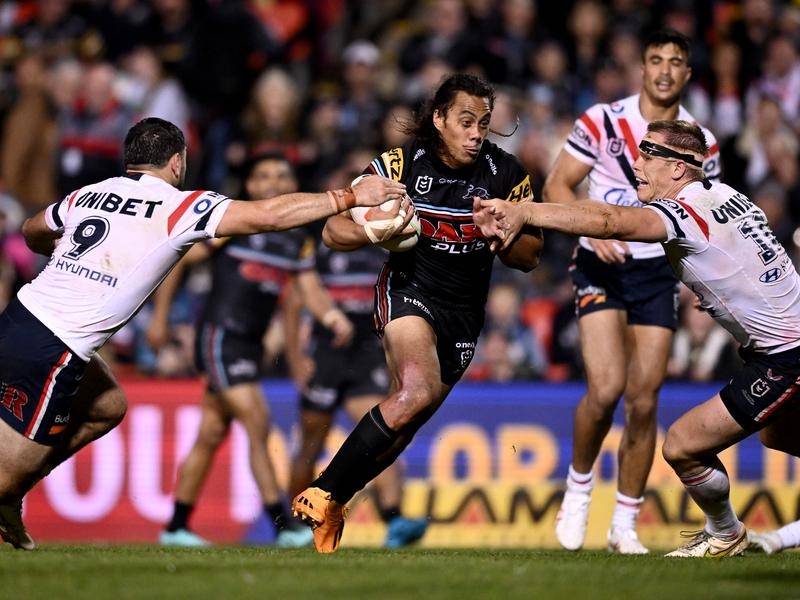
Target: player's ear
x=438, y=120
x=176, y=164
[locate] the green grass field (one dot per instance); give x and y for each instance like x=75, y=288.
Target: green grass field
x=64, y=572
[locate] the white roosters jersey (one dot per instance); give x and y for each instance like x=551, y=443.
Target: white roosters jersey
x=606, y=137
x=720, y=245
x=120, y=238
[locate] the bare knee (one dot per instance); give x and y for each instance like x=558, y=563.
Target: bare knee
x=676, y=451
x=640, y=410
x=117, y=406
x=601, y=398
x=213, y=432
x=408, y=404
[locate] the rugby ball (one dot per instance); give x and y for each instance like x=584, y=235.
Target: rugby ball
x=376, y=216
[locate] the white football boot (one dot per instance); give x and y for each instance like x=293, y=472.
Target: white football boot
x=572, y=518
x=704, y=545
x=625, y=541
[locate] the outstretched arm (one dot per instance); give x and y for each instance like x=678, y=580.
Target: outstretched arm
x=292, y=210
x=580, y=218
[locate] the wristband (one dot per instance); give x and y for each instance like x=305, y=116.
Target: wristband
x=342, y=200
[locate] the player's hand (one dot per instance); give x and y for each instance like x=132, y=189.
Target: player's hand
x=157, y=334
x=385, y=224
x=340, y=326
x=610, y=251
x=499, y=220
x=375, y=190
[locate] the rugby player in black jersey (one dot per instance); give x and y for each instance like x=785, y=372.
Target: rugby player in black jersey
x=429, y=301
x=346, y=372
x=248, y=273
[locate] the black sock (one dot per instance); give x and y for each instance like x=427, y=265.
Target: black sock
x=353, y=465
x=180, y=516
x=277, y=514
x=387, y=514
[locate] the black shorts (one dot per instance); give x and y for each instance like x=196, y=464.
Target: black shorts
x=227, y=358
x=344, y=373
x=766, y=386
x=646, y=289
x=456, y=327
x=39, y=376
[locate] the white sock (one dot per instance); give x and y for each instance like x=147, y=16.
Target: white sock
x=626, y=512
x=789, y=535
x=581, y=483
x=710, y=489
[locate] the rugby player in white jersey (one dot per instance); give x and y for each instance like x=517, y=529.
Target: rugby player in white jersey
x=720, y=245
x=110, y=245
x=625, y=293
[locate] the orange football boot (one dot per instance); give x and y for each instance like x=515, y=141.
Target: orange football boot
x=325, y=515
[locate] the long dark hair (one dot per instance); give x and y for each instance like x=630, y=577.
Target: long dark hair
x=422, y=126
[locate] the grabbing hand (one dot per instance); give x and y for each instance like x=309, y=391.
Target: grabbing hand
x=499, y=220
x=385, y=224
x=375, y=190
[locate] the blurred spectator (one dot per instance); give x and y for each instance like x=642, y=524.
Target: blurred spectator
x=121, y=24
x=151, y=93
x=92, y=130
x=781, y=80
x=444, y=36
x=56, y=31
x=362, y=109
x=508, y=350
x=750, y=34
x=701, y=350
x=726, y=113
x=29, y=138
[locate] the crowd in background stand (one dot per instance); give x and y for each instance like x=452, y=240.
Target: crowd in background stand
x=327, y=81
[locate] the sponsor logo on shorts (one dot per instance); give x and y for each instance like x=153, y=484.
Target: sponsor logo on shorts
x=242, y=368
x=13, y=399
x=61, y=419
x=590, y=294
x=418, y=304
x=467, y=352
x=773, y=377
x=759, y=388
x=324, y=397
x=56, y=429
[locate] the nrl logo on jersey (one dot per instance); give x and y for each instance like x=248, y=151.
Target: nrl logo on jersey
x=424, y=183
x=615, y=147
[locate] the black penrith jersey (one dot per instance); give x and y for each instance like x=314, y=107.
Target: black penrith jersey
x=248, y=274
x=452, y=262
x=350, y=278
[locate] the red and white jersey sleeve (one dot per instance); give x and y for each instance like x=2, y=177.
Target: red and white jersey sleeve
x=721, y=246
x=120, y=237
x=606, y=137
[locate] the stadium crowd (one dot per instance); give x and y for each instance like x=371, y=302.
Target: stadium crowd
x=328, y=81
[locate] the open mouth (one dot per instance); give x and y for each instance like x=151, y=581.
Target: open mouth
x=640, y=182
x=664, y=85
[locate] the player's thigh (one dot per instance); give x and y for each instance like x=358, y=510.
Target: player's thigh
x=782, y=433
x=648, y=350
x=604, y=352
x=246, y=403
x=99, y=396
x=20, y=460
x=411, y=357
x=705, y=430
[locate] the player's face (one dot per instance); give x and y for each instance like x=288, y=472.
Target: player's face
x=665, y=72
x=463, y=129
x=653, y=174
x=270, y=178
